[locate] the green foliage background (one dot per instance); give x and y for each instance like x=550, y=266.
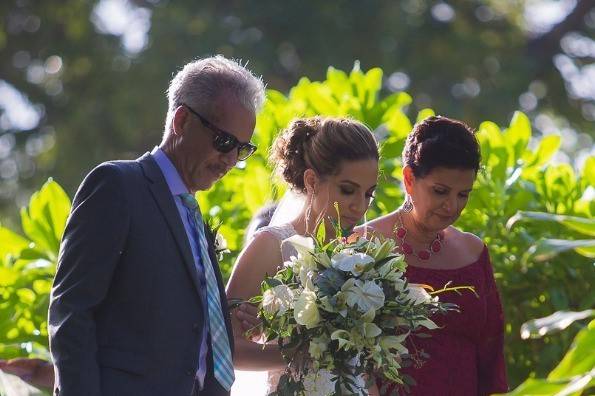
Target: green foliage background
x=106, y=101
x=536, y=217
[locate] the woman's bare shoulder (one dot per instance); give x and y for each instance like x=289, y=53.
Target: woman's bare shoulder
x=467, y=241
x=261, y=255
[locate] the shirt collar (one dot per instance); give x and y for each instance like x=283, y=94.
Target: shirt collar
x=172, y=177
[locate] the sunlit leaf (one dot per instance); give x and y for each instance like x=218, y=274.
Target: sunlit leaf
x=580, y=224
x=580, y=358
x=557, y=321
x=518, y=134
x=11, y=242
x=423, y=114
x=546, y=249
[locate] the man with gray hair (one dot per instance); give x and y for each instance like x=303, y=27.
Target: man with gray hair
x=138, y=305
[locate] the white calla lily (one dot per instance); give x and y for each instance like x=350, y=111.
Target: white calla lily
x=366, y=295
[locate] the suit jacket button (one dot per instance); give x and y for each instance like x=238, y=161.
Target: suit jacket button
x=195, y=327
x=189, y=372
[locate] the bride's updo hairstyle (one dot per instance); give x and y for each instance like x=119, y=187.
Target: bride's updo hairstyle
x=320, y=144
x=441, y=142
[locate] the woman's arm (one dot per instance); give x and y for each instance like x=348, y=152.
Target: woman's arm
x=261, y=256
x=37, y=372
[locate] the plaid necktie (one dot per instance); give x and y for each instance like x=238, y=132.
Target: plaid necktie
x=222, y=362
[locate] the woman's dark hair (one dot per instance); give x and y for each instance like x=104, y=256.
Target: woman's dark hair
x=441, y=142
x=321, y=144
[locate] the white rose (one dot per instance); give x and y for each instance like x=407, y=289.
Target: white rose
x=278, y=299
x=305, y=310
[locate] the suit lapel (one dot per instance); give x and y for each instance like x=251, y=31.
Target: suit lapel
x=165, y=201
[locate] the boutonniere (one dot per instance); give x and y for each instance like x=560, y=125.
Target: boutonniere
x=218, y=240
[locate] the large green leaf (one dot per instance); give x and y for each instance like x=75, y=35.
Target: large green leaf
x=581, y=224
x=589, y=171
x=518, y=134
x=11, y=242
x=580, y=358
x=546, y=249
x=575, y=373
x=44, y=219
x=538, y=387
x=557, y=321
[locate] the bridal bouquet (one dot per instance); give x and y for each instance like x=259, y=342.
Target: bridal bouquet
x=342, y=309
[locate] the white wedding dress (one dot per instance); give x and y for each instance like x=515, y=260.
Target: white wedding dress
x=261, y=383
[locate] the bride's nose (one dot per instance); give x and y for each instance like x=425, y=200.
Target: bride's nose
x=358, y=206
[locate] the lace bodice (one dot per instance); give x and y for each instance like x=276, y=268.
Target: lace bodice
x=282, y=232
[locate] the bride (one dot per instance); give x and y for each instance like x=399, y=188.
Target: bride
x=325, y=161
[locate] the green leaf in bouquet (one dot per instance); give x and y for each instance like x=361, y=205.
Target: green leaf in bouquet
x=382, y=250
x=330, y=281
x=343, y=338
x=369, y=316
x=321, y=233
x=272, y=282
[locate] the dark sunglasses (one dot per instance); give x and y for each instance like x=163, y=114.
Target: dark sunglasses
x=223, y=141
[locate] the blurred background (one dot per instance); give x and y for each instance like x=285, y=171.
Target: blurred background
x=82, y=81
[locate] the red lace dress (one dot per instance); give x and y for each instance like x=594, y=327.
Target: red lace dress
x=466, y=353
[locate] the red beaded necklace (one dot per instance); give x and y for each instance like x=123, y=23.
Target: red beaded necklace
x=423, y=254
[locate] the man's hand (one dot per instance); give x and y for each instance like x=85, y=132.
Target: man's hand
x=247, y=316
x=36, y=372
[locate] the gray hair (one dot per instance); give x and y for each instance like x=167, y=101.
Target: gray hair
x=202, y=81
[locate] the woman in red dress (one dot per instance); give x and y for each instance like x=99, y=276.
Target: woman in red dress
x=464, y=356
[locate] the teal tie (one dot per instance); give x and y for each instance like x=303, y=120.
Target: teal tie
x=222, y=362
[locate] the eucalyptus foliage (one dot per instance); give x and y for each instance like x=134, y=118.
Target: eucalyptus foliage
x=535, y=216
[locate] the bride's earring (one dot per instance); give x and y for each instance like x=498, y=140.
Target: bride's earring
x=407, y=205
x=308, y=211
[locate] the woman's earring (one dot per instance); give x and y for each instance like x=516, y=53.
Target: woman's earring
x=407, y=205
x=308, y=211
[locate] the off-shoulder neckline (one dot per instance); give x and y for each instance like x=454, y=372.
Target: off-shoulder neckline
x=479, y=259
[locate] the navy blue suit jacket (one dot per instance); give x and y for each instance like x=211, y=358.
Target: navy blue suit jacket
x=125, y=310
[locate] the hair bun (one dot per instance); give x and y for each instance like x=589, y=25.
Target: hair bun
x=321, y=144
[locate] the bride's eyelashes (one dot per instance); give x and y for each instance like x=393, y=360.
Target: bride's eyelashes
x=345, y=190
